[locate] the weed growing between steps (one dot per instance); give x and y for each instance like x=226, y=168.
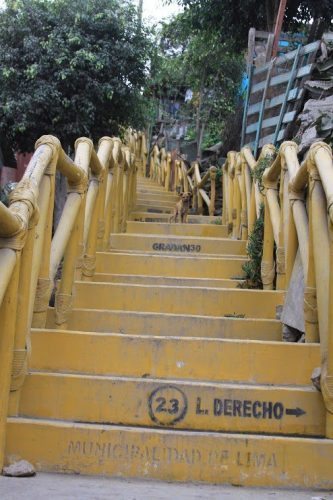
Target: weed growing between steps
x=217, y=221
x=252, y=268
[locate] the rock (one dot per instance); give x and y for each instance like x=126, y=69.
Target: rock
x=290, y=334
x=22, y=468
x=315, y=378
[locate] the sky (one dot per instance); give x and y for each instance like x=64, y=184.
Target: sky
x=156, y=10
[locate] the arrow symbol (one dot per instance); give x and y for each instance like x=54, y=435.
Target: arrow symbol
x=297, y=412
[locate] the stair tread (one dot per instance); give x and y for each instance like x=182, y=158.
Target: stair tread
x=174, y=403
x=186, y=382
x=238, y=435
x=178, y=237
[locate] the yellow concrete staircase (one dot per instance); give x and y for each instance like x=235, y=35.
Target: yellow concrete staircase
x=167, y=370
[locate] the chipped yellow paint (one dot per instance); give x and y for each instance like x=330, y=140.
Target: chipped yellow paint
x=179, y=244
x=148, y=323
x=173, y=455
x=164, y=217
x=166, y=280
x=176, y=265
x=162, y=342
x=174, y=404
x=185, y=300
x=173, y=357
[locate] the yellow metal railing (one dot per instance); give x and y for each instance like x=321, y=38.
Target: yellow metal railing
x=181, y=179
x=101, y=192
x=298, y=201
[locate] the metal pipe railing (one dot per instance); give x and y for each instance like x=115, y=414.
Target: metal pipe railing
x=31, y=258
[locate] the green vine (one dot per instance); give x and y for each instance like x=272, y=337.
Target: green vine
x=260, y=168
x=252, y=268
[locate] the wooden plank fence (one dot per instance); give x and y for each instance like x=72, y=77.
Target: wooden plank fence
x=274, y=92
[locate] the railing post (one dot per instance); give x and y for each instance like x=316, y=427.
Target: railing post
x=8, y=312
x=64, y=293
x=328, y=370
x=267, y=263
x=22, y=343
x=105, y=145
x=126, y=187
x=236, y=207
x=212, y=174
x=168, y=172
x=240, y=179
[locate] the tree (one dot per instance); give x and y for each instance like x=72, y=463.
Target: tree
x=70, y=68
x=233, y=18
x=200, y=61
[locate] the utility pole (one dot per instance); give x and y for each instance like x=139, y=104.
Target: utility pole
x=278, y=26
x=140, y=11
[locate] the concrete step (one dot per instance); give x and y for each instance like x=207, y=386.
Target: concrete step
x=176, y=404
x=176, y=244
x=173, y=300
x=158, y=202
x=185, y=230
x=162, y=324
x=150, y=216
x=165, y=280
x=239, y=459
x=153, y=196
x=155, y=207
x=214, y=360
x=182, y=266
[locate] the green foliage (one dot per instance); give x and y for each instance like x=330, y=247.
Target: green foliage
x=70, y=68
x=233, y=18
x=260, y=168
x=217, y=221
x=252, y=268
x=201, y=61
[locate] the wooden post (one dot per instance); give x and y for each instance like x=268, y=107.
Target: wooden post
x=278, y=26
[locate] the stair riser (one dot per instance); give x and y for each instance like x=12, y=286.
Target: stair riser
x=153, y=203
x=165, y=281
x=192, y=219
x=177, y=405
x=144, y=196
x=178, y=358
x=167, y=245
x=184, y=230
x=155, y=208
x=173, y=456
x=162, y=265
x=136, y=323
x=210, y=301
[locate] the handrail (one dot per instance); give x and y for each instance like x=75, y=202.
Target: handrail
x=173, y=175
x=298, y=217
x=101, y=192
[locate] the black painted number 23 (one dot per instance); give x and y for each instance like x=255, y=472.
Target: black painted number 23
x=161, y=407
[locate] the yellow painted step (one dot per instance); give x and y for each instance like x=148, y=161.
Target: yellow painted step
x=179, y=244
x=185, y=300
x=158, y=202
x=213, y=360
x=161, y=324
x=158, y=197
x=165, y=280
x=174, y=404
x=181, y=266
x=156, y=207
x=185, y=230
x=239, y=459
x=150, y=216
